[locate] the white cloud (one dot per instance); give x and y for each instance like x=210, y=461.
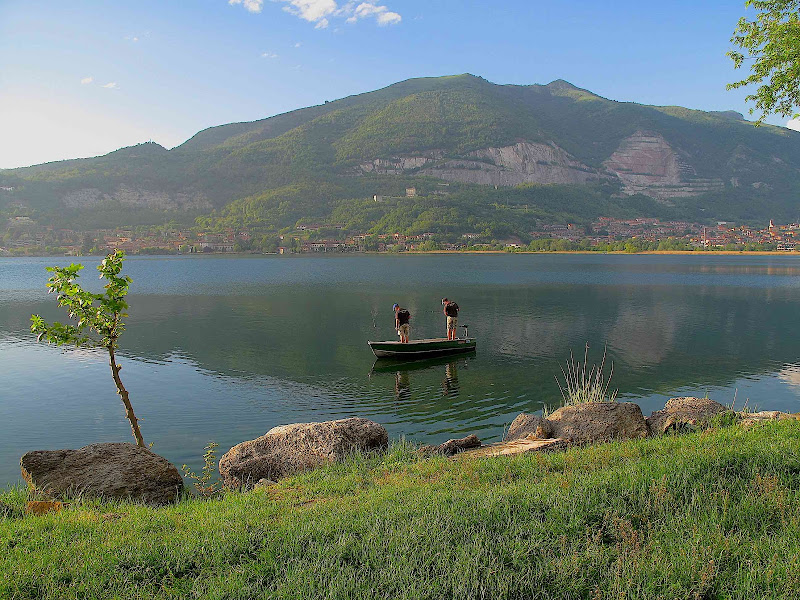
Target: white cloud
x=132, y=38
x=253, y=6
x=268, y=55
x=313, y=11
x=297, y=44
x=793, y=124
x=86, y=80
x=381, y=13
x=389, y=18
x=111, y=85
x=320, y=12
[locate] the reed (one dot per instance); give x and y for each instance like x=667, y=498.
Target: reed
x=583, y=384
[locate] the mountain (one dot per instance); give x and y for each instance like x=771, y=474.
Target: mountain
x=471, y=148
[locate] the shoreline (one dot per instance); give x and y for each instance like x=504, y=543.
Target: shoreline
x=442, y=252
x=694, y=515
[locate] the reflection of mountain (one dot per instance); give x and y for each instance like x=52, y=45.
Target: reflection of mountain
x=791, y=375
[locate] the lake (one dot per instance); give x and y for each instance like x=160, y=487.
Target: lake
x=224, y=348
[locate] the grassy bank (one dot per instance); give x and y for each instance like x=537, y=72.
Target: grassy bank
x=706, y=515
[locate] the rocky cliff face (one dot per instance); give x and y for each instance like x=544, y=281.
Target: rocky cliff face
x=136, y=197
x=646, y=164
x=523, y=162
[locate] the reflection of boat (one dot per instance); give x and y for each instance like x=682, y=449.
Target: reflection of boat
x=422, y=348
x=391, y=365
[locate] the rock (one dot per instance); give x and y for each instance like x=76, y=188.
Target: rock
x=750, y=419
x=598, y=421
x=523, y=162
x=111, y=471
x=265, y=483
x=645, y=163
x=451, y=447
x=520, y=446
x=529, y=427
x=289, y=449
x=684, y=414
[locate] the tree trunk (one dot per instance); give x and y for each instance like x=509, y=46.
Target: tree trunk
x=123, y=394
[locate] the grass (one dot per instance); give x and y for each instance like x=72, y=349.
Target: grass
x=582, y=385
x=704, y=515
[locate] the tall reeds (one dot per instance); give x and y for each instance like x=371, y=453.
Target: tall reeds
x=582, y=384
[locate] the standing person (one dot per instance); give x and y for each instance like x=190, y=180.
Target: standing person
x=451, y=312
x=401, y=319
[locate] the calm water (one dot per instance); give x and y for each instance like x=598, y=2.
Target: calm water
x=223, y=349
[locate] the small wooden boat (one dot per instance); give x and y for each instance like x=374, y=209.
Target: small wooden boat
x=415, y=349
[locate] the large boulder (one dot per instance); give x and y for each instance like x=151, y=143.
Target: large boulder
x=112, y=471
x=685, y=414
x=289, y=449
x=530, y=427
x=598, y=422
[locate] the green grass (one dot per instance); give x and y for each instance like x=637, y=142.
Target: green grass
x=707, y=515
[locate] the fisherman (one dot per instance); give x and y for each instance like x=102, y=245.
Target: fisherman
x=451, y=312
x=401, y=319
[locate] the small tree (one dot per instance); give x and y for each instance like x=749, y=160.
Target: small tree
x=99, y=318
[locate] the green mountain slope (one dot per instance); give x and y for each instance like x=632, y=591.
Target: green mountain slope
x=492, y=144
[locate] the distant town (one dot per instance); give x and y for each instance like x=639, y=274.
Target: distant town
x=24, y=237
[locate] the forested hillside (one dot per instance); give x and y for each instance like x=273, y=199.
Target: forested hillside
x=480, y=155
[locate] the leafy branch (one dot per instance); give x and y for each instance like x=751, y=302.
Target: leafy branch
x=772, y=42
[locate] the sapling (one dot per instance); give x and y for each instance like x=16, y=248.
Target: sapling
x=98, y=318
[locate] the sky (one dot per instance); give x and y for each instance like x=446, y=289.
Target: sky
x=85, y=77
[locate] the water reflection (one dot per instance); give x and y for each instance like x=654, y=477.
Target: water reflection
x=448, y=365
x=254, y=343
x=791, y=375
x=402, y=386
x=450, y=381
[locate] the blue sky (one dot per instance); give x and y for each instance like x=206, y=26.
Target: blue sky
x=83, y=78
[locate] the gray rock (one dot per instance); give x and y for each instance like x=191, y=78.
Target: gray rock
x=598, y=421
x=514, y=447
x=684, y=414
x=288, y=449
x=111, y=471
x=529, y=427
x=265, y=483
x=451, y=447
x=751, y=419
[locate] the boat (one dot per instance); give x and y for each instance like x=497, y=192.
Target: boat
x=415, y=349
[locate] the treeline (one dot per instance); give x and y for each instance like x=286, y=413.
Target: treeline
x=441, y=209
